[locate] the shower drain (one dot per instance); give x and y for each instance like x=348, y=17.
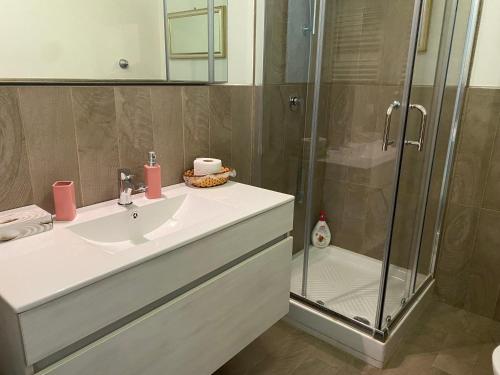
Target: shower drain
x=362, y=320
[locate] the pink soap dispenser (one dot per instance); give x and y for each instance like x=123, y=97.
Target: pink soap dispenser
x=152, y=176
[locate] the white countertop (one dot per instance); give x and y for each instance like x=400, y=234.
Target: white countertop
x=40, y=268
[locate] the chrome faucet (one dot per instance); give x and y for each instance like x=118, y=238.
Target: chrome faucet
x=126, y=187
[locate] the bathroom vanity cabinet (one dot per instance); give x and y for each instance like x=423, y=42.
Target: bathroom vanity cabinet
x=185, y=311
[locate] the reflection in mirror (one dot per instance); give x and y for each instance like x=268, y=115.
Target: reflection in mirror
x=187, y=34
x=187, y=40
x=109, y=40
x=220, y=41
x=82, y=40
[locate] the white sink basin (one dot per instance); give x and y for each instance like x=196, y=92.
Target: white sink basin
x=137, y=225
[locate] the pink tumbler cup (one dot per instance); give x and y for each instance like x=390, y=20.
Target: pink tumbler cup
x=64, y=200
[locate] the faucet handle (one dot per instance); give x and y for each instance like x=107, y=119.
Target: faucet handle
x=125, y=174
x=140, y=188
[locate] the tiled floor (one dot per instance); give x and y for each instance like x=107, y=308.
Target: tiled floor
x=447, y=340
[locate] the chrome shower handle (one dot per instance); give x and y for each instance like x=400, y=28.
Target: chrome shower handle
x=423, y=122
x=387, y=128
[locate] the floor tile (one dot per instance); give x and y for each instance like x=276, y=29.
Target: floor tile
x=446, y=341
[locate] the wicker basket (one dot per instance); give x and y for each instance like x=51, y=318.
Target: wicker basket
x=209, y=180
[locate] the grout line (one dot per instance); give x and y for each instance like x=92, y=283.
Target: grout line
x=118, y=129
x=467, y=270
x=183, y=130
x=489, y=168
x=252, y=129
x=80, y=186
x=209, y=114
x=229, y=110
x=25, y=144
x=153, y=136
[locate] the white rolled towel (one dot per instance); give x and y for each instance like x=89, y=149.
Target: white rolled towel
x=204, y=166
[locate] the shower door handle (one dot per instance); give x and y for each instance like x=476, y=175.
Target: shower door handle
x=423, y=122
x=387, y=128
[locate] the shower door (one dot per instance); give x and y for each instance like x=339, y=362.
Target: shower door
x=346, y=129
x=422, y=165
x=363, y=66
x=379, y=83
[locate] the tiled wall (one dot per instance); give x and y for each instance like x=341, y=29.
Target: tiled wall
x=363, y=69
x=357, y=198
x=85, y=134
x=364, y=64
x=469, y=261
x=281, y=129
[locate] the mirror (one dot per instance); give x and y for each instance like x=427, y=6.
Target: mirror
x=109, y=40
x=187, y=34
x=188, y=40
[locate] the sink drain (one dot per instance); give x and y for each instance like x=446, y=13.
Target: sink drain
x=320, y=302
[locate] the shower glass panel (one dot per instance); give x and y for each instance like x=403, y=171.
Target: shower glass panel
x=432, y=92
x=352, y=95
x=363, y=72
x=459, y=36
x=436, y=26
x=285, y=101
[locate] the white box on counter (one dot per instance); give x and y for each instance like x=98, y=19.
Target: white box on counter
x=23, y=222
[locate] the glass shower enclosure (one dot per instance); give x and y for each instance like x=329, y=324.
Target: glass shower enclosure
x=354, y=98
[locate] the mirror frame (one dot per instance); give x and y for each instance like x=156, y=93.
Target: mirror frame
x=221, y=53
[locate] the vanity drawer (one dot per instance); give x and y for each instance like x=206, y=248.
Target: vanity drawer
x=199, y=331
x=58, y=324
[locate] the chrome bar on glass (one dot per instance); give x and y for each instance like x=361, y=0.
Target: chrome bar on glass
x=417, y=10
x=314, y=138
x=423, y=120
x=387, y=128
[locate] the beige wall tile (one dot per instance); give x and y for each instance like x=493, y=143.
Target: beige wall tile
x=195, y=113
x=15, y=185
x=459, y=234
x=376, y=224
x=468, y=261
x=221, y=100
x=283, y=150
x=135, y=127
x=50, y=136
x=296, y=150
x=452, y=288
x=85, y=134
x=396, y=26
x=477, y=136
x=492, y=188
x=456, y=249
x=276, y=33
x=349, y=234
x=484, y=280
x=273, y=140
x=258, y=122
x=340, y=119
x=242, y=132
x=166, y=103
x=97, y=141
